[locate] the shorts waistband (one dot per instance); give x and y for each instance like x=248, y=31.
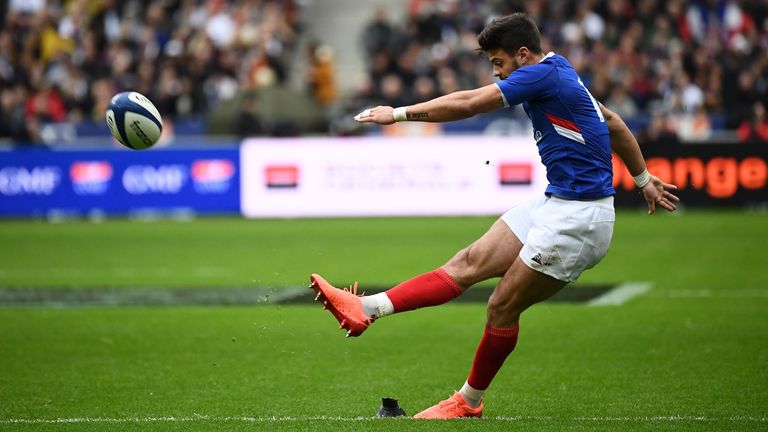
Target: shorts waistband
x=602, y=202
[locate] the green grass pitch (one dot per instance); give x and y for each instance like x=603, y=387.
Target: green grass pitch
x=690, y=354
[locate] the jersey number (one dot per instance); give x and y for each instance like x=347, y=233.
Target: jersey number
x=594, y=103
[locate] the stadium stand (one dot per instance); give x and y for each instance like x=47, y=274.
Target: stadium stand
x=61, y=61
x=685, y=70
x=676, y=70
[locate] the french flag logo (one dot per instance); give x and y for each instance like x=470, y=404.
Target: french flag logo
x=566, y=128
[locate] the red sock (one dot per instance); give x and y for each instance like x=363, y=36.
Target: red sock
x=430, y=289
x=496, y=345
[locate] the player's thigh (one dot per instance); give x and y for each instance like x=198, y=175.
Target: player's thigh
x=489, y=256
x=520, y=288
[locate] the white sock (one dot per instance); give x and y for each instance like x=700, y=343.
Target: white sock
x=377, y=305
x=472, y=395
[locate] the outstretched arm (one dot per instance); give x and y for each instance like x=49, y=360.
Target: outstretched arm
x=454, y=106
x=625, y=145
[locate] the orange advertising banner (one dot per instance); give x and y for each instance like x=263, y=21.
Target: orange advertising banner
x=707, y=174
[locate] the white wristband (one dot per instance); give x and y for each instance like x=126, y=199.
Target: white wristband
x=642, y=179
x=399, y=114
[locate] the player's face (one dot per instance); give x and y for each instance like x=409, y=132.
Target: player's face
x=503, y=64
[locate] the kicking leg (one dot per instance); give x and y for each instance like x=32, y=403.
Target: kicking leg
x=490, y=256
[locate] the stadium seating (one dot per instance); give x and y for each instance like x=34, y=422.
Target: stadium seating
x=698, y=68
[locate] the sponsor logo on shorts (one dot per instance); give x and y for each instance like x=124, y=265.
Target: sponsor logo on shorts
x=551, y=258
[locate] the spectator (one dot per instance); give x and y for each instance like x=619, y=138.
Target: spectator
x=322, y=78
x=756, y=128
x=620, y=103
x=423, y=89
x=220, y=26
x=694, y=126
x=249, y=122
x=168, y=89
x=46, y=104
x=13, y=120
x=740, y=100
x=26, y=6
x=392, y=90
x=377, y=34
x=657, y=132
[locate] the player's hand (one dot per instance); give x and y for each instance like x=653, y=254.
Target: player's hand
x=656, y=192
x=381, y=115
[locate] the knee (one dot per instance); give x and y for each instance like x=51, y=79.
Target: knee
x=462, y=268
x=503, y=311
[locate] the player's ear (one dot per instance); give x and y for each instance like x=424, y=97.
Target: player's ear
x=523, y=54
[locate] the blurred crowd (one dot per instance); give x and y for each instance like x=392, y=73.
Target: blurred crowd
x=64, y=60
x=677, y=69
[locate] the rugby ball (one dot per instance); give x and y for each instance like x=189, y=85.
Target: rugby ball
x=133, y=120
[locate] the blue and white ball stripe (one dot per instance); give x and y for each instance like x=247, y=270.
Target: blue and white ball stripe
x=134, y=121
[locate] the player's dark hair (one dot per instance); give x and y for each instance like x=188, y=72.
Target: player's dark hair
x=510, y=33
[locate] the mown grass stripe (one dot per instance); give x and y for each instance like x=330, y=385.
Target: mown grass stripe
x=277, y=419
x=169, y=296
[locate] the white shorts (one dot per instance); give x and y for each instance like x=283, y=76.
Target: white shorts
x=562, y=238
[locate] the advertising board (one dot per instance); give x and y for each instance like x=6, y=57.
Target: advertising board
x=44, y=182
x=708, y=175
x=404, y=176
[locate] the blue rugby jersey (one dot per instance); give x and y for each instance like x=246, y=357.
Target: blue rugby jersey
x=568, y=127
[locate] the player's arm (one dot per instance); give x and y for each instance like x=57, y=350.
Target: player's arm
x=625, y=145
x=454, y=106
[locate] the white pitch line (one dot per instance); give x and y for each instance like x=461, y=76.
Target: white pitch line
x=276, y=419
x=621, y=294
x=709, y=293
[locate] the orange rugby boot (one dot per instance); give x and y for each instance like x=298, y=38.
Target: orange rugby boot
x=344, y=304
x=453, y=407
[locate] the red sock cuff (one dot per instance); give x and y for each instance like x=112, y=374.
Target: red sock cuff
x=509, y=332
x=442, y=274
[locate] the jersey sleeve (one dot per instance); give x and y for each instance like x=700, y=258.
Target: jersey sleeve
x=527, y=83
